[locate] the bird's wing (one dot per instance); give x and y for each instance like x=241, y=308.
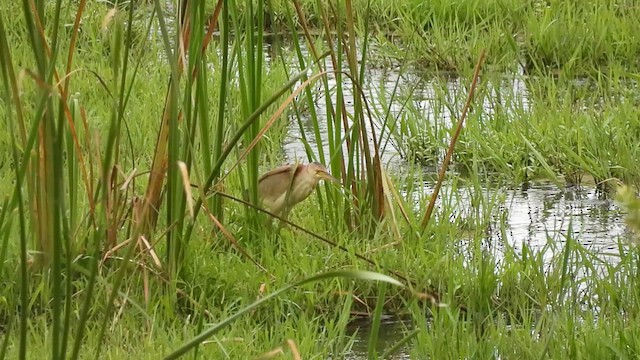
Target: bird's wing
x=277, y=182
x=273, y=187
x=278, y=170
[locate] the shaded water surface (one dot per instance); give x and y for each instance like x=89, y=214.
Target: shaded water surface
x=391, y=331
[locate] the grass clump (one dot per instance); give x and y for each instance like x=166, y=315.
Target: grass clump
x=576, y=130
x=575, y=37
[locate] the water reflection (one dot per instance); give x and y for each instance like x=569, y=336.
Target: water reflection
x=545, y=211
x=381, y=86
x=533, y=215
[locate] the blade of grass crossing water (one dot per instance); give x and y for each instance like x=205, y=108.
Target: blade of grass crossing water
x=454, y=138
x=393, y=349
x=565, y=262
x=349, y=274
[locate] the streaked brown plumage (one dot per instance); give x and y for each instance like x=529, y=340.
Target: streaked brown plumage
x=282, y=188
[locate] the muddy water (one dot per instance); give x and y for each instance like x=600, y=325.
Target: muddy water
x=540, y=216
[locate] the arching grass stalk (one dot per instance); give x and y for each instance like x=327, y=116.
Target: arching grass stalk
x=350, y=274
x=413, y=285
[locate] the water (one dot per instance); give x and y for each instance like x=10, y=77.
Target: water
x=531, y=216
x=391, y=331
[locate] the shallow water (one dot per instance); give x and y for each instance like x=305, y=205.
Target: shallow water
x=540, y=216
x=533, y=215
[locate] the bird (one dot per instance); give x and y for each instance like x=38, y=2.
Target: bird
x=280, y=189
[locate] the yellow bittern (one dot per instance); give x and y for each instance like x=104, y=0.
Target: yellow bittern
x=282, y=188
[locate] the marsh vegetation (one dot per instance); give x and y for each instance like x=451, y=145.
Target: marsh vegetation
x=134, y=134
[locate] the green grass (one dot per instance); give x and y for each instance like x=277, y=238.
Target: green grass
x=581, y=131
x=574, y=37
x=91, y=160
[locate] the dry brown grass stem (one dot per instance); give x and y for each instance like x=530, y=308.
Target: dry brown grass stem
x=452, y=144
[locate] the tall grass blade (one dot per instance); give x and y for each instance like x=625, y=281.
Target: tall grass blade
x=220, y=126
x=375, y=325
x=6, y=68
x=445, y=163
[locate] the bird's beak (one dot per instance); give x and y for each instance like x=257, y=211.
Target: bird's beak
x=326, y=176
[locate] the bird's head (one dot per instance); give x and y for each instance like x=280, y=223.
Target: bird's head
x=319, y=172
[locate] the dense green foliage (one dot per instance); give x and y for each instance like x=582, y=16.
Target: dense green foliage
x=124, y=131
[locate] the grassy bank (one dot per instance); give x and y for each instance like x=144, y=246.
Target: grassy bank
x=127, y=131
x=578, y=131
